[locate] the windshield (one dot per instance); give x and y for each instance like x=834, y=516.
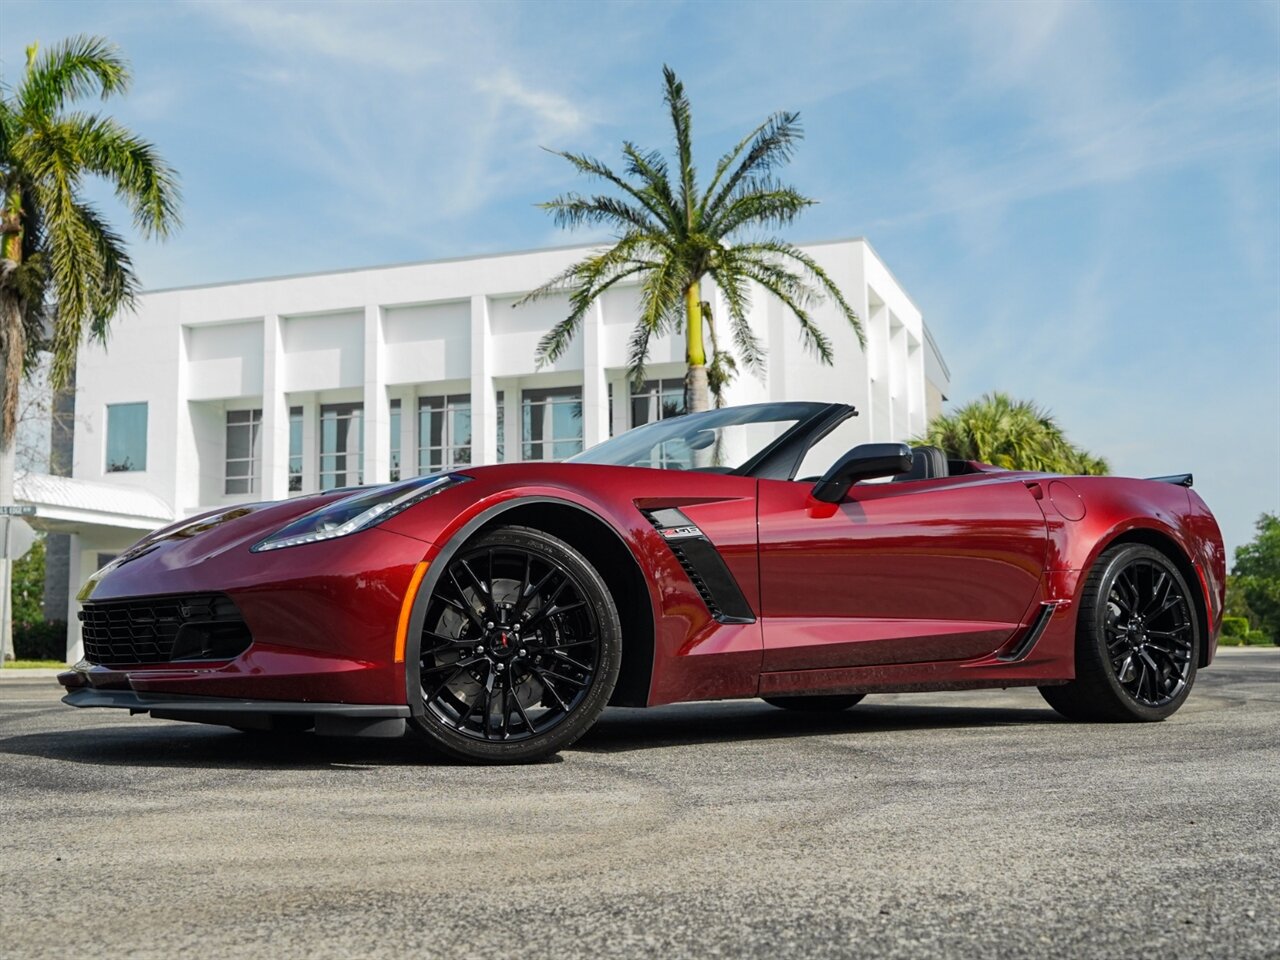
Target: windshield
x=718, y=441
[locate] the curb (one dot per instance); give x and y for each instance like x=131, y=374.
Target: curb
x=12, y=675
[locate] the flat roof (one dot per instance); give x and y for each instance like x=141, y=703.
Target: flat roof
x=439, y=260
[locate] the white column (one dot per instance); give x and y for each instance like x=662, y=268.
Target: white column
x=484, y=411
x=275, y=412
x=377, y=407
x=310, y=443
x=621, y=412
x=75, y=579
x=595, y=394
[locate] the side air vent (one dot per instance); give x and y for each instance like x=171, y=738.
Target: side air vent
x=1032, y=635
x=704, y=566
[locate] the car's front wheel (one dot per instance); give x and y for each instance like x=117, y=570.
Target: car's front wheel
x=1137, y=640
x=521, y=647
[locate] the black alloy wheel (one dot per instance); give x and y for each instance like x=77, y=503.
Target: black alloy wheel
x=521, y=646
x=1137, y=640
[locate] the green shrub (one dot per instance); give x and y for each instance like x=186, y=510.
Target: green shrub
x=1258, y=638
x=1224, y=640
x=40, y=640
x=1237, y=627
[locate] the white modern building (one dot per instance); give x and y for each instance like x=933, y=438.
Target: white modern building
x=262, y=389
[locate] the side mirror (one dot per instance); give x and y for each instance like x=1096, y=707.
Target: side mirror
x=866, y=461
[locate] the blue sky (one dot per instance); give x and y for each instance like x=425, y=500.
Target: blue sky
x=1083, y=198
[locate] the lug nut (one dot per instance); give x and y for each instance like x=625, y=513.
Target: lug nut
x=480, y=648
x=520, y=652
x=489, y=625
x=498, y=668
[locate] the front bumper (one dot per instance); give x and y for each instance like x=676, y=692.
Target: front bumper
x=322, y=619
x=327, y=719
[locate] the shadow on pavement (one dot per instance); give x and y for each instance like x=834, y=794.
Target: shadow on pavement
x=622, y=729
x=157, y=744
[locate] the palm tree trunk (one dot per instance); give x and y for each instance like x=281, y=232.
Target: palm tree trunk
x=695, y=378
x=13, y=340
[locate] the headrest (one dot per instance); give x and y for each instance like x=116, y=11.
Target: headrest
x=927, y=463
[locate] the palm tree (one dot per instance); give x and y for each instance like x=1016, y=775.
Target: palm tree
x=1014, y=434
x=670, y=233
x=60, y=259
x=64, y=270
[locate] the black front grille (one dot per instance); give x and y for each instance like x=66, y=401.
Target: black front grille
x=161, y=629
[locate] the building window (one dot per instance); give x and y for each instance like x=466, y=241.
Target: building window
x=656, y=400
x=501, y=450
x=551, y=423
x=126, y=437
x=295, y=449
x=444, y=432
x=244, y=451
x=395, y=440
x=341, y=445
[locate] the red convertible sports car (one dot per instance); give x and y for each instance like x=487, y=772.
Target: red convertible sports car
x=495, y=611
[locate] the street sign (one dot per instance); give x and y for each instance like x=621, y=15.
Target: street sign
x=17, y=510
x=16, y=538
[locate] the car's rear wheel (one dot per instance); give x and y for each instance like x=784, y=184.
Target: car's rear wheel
x=816, y=704
x=521, y=646
x=1137, y=640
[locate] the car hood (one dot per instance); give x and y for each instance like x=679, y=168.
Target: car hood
x=194, y=540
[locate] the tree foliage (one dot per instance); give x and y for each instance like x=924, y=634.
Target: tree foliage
x=60, y=258
x=671, y=231
x=1256, y=574
x=1009, y=433
x=27, y=586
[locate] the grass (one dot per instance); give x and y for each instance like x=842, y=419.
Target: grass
x=32, y=664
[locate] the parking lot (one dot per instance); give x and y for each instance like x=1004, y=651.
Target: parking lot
x=913, y=825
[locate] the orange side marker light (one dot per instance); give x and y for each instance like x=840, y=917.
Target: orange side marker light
x=406, y=609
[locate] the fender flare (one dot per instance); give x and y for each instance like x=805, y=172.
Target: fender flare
x=438, y=564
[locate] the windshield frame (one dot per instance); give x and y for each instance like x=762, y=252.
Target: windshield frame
x=777, y=460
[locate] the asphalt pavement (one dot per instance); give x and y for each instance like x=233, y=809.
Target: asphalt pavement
x=922, y=825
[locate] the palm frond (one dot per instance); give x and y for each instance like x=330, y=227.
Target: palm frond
x=69, y=70
x=142, y=180
x=556, y=340
x=772, y=144
x=759, y=203
x=682, y=124
x=573, y=210
x=796, y=295
x=721, y=369
x=661, y=310
x=584, y=282
x=738, y=300
x=651, y=168
x=91, y=277
x=594, y=168
x=787, y=251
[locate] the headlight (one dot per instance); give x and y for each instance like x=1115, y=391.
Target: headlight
x=357, y=512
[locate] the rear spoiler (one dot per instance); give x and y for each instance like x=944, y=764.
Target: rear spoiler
x=1180, y=479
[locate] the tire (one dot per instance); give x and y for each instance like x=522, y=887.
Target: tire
x=817, y=704
x=1137, y=641
x=547, y=687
